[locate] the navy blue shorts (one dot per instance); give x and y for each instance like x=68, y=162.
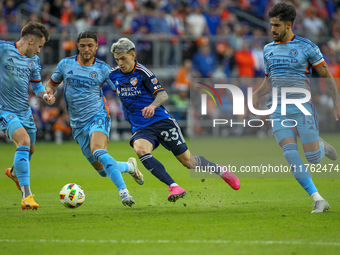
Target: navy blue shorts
x=166, y=132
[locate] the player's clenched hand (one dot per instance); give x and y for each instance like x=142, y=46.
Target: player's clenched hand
x=148, y=111
x=337, y=112
x=49, y=99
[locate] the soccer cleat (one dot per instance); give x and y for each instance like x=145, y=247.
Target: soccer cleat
x=230, y=178
x=136, y=174
x=330, y=151
x=320, y=206
x=29, y=203
x=176, y=193
x=127, y=200
x=8, y=173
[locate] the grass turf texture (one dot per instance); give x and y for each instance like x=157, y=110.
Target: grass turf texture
x=266, y=216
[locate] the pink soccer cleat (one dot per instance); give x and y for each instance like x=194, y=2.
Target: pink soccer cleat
x=176, y=193
x=230, y=178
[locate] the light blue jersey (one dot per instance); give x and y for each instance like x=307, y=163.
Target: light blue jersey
x=289, y=64
x=82, y=88
x=17, y=73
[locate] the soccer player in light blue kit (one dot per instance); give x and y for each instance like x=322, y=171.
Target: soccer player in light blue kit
x=142, y=96
x=288, y=62
x=83, y=76
x=21, y=67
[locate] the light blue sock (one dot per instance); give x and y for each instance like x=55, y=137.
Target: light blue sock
x=111, y=167
x=22, y=165
x=301, y=174
x=123, y=166
x=315, y=157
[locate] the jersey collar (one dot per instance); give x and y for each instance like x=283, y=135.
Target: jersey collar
x=136, y=63
x=93, y=61
x=286, y=41
x=16, y=46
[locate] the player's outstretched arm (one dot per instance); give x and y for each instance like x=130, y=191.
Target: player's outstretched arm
x=264, y=89
x=51, y=87
x=324, y=72
x=49, y=99
x=149, y=111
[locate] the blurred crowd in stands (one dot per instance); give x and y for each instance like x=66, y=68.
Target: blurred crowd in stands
x=215, y=39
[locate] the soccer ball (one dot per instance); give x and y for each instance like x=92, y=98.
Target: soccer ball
x=72, y=195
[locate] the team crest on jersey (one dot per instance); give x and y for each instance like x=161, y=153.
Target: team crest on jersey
x=93, y=75
x=154, y=80
x=30, y=64
x=10, y=116
x=133, y=81
x=293, y=53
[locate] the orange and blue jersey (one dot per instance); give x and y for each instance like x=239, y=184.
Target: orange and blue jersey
x=289, y=64
x=137, y=90
x=83, y=88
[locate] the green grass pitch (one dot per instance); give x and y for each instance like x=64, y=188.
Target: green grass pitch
x=266, y=216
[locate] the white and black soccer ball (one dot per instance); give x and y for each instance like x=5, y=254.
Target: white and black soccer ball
x=72, y=195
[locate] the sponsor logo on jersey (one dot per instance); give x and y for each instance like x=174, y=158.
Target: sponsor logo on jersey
x=80, y=83
x=93, y=75
x=271, y=54
x=293, y=53
x=70, y=72
x=154, y=80
x=133, y=81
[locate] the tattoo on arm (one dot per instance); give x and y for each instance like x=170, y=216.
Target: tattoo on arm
x=161, y=97
x=324, y=72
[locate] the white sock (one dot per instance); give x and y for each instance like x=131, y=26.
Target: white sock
x=316, y=196
x=174, y=184
x=131, y=167
x=122, y=191
x=26, y=191
x=13, y=173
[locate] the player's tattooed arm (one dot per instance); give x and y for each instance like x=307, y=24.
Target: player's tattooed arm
x=161, y=97
x=149, y=111
x=324, y=72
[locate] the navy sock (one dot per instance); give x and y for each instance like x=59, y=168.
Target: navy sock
x=102, y=173
x=206, y=165
x=156, y=168
x=22, y=165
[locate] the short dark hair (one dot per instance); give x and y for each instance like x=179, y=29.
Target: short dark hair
x=87, y=34
x=36, y=29
x=285, y=12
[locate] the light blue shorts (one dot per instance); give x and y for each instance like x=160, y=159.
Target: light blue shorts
x=9, y=122
x=296, y=124
x=100, y=122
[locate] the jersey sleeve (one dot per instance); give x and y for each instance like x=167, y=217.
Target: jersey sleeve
x=314, y=56
x=35, y=78
x=57, y=77
x=108, y=80
x=266, y=69
x=152, y=84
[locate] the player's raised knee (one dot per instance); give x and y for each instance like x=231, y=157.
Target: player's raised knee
x=141, y=151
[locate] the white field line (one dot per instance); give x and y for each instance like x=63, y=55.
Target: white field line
x=261, y=242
